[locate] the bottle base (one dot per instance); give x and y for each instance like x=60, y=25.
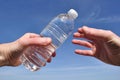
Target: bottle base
x=28, y=65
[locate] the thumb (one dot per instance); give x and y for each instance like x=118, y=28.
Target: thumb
x=33, y=39
x=41, y=41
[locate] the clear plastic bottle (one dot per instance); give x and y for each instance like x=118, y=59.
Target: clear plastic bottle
x=58, y=29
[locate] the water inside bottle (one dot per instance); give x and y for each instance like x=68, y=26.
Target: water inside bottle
x=56, y=33
x=37, y=56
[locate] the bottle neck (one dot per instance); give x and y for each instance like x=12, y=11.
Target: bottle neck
x=65, y=17
x=71, y=17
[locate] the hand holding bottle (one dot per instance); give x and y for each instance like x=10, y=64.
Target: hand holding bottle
x=10, y=52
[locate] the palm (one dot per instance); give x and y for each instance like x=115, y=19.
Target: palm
x=100, y=51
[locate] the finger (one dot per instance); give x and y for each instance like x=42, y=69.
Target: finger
x=32, y=35
x=94, y=33
x=49, y=60
x=54, y=54
x=82, y=43
x=42, y=41
x=84, y=52
x=78, y=35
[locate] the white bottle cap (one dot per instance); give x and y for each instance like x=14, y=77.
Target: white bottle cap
x=73, y=13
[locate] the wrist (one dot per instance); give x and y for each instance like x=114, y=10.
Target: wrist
x=10, y=53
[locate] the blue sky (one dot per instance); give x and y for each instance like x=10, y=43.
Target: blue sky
x=20, y=16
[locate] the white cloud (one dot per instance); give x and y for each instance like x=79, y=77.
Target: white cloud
x=111, y=19
x=93, y=16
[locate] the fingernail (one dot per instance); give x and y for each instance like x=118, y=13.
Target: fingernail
x=85, y=26
x=48, y=39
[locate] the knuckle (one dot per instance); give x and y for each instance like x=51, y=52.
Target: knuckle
x=28, y=33
x=109, y=31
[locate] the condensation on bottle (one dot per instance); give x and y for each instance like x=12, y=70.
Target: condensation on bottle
x=58, y=30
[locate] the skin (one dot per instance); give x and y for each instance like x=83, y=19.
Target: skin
x=104, y=44
x=10, y=52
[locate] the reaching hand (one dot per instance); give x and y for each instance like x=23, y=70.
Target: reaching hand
x=104, y=44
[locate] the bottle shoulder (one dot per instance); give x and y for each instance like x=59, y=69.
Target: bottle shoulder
x=65, y=17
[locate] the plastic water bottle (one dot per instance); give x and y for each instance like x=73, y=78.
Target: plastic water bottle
x=58, y=29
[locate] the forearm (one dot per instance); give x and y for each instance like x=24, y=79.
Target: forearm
x=3, y=51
